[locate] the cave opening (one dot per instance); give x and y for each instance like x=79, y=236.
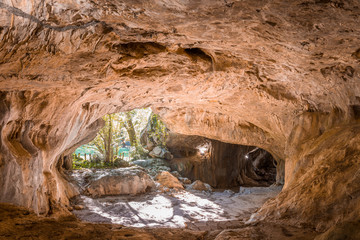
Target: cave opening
x=117, y=143
x=280, y=75
x=225, y=165
x=137, y=172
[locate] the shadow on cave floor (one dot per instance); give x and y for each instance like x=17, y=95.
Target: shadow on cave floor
x=118, y=196
x=197, y=210
x=19, y=223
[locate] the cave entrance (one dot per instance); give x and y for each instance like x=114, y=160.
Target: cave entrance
x=225, y=165
x=148, y=176
x=116, y=144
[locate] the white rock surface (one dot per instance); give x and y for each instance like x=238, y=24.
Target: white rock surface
x=120, y=182
x=175, y=209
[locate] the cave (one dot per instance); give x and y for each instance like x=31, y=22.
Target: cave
x=223, y=165
x=278, y=76
x=166, y=179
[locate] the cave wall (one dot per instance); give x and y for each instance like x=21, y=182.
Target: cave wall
x=325, y=186
x=31, y=146
x=224, y=165
x=283, y=76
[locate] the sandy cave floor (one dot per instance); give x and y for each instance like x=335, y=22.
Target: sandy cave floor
x=198, y=210
x=174, y=215
x=19, y=223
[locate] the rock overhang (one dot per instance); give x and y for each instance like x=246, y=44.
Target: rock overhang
x=276, y=75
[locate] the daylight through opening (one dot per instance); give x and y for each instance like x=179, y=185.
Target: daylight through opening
x=136, y=172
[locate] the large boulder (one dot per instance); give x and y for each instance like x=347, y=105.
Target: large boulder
x=167, y=180
x=160, y=152
x=120, y=181
x=152, y=136
x=200, y=186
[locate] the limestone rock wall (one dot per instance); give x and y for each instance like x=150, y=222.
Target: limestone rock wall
x=325, y=185
x=31, y=145
x=278, y=75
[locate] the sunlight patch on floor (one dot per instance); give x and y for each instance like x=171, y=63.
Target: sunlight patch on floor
x=157, y=209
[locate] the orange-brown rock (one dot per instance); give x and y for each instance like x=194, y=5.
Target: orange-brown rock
x=167, y=180
x=280, y=75
x=200, y=186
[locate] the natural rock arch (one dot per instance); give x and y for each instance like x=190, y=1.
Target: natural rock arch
x=237, y=72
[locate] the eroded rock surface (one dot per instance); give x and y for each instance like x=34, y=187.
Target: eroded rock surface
x=167, y=180
x=280, y=75
x=120, y=181
x=328, y=170
x=200, y=186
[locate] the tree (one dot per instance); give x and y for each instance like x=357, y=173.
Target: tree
x=107, y=140
x=120, y=126
x=130, y=128
x=158, y=131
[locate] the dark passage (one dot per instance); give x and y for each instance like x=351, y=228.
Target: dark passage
x=224, y=165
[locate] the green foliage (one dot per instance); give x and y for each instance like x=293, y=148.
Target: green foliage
x=107, y=146
x=119, y=127
x=79, y=162
x=108, y=140
x=138, y=153
x=158, y=131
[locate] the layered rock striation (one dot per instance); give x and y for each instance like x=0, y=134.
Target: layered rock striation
x=283, y=76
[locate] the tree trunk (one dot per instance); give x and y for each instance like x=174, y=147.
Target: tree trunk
x=131, y=130
x=108, y=143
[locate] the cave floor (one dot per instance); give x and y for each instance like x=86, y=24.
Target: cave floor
x=196, y=210
x=19, y=223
